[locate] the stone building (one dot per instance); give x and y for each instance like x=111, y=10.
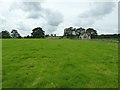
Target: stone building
x=85, y=36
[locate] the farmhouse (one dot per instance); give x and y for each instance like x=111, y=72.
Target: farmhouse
x=85, y=36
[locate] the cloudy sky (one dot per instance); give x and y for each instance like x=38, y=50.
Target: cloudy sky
x=55, y=15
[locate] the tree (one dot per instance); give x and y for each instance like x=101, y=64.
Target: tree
x=38, y=33
x=51, y=35
x=15, y=34
x=54, y=35
x=5, y=34
x=47, y=35
x=69, y=32
x=76, y=32
x=79, y=31
x=92, y=32
x=28, y=36
x=73, y=32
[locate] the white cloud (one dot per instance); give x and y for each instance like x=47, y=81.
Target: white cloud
x=97, y=11
x=55, y=15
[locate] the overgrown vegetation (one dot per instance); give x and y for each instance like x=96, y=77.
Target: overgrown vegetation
x=43, y=63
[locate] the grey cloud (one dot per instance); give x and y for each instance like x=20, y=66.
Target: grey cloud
x=34, y=9
x=97, y=11
x=23, y=29
x=34, y=15
x=31, y=6
x=53, y=18
x=2, y=20
x=22, y=26
x=50, y=29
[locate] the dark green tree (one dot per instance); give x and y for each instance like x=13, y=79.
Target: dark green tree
x=51, y=35
x=73, y=32
x=79, y=31
x=68, y=32
x=15, y=34
x=92, y=32
x=38, y=33
x=54, y=35
x=5, y=34
x=47, y=35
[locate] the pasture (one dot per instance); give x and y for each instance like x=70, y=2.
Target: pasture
x=59, y=63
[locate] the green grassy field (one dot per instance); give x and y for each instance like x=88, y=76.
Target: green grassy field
x=51, y=63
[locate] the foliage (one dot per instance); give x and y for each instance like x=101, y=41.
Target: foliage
x=70, y=32
x=15, y=34
x=92, y=32
x=80, y=31
x=38, y=33
x=5, y=34
x=108, y=36
x=47, y=35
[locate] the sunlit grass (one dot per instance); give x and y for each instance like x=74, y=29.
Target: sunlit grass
x=43, y=63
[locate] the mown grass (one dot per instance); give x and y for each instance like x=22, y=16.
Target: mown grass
x=51, y=63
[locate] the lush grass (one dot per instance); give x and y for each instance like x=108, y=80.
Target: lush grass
x=45, y=63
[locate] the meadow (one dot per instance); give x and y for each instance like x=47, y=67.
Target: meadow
x=59, y=63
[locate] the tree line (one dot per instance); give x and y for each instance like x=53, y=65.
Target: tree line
x=76, y=32
x=36, y=33
x=70, y=32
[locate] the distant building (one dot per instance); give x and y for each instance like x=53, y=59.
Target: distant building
x=78, y=33
x=85, y=36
